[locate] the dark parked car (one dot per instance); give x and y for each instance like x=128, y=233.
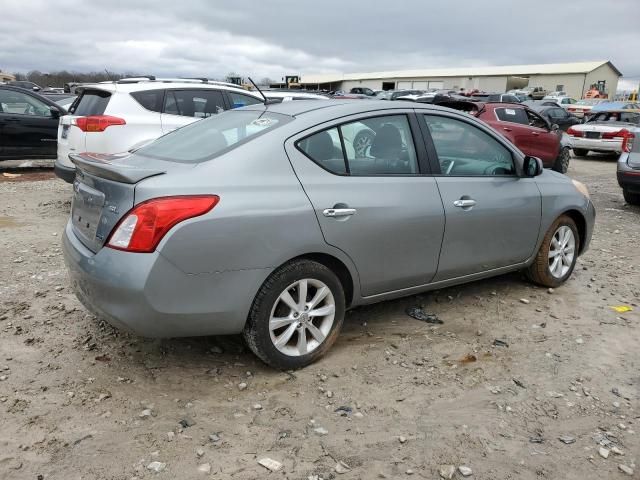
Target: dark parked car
x=558, y=116
x=629, y=165
x=362, y=91
x=28, y=124
x=26, y=85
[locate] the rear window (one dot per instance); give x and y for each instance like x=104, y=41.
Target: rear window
x=90, y=102
x=203, y=140
x=628, y=117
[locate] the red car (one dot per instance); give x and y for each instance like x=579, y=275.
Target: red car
x=525, y=128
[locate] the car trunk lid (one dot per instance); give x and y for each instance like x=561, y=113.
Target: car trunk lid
x=104, y=191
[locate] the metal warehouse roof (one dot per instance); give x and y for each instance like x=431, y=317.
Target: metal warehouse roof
x=508, y=70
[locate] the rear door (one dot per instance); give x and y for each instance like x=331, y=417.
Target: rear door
x=379, y=205
x=492, y=215
x=185, y=106
x=27, y=127
x=91, y=101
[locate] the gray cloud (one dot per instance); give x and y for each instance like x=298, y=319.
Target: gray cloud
x=278, y=37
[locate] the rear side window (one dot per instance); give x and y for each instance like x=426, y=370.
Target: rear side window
x=239, y=100
x=206, y=139
x=512, y=115
x=91, y=102
x=150, y=99
x=371, y=146
x=193, y=103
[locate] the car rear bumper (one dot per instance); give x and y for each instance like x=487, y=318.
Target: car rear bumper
x=628, y=178
x=148, y=295
x=68, y=174
x=597, y=145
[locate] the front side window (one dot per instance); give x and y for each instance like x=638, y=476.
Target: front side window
x=19, y=103
x=370, y=146
x=193, y=103
x=512, y=115
x=466, y=150
x=203, y=140
x=536, y=120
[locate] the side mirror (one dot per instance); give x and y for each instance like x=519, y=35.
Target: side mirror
x=36, y=89
x=55, y=112
x=555, y=127
x=532, y=166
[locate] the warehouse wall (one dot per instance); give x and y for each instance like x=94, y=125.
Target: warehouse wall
x=605, y=72
x=572, y=83
x=489, y=84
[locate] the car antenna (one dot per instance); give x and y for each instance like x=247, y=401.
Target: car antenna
x=108, y=75
x=266, y=101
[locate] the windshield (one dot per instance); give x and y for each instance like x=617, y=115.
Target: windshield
x=205, y=139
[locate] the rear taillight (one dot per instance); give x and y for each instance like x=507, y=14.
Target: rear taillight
x=143, y=227
x=98, y=123
x=574, y=133
x=626, y=136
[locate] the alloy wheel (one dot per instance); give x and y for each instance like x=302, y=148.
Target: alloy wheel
x=561, y=251
x=302, y=317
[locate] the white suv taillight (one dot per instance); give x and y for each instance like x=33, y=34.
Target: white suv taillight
x=143, y=227
x=97, y=123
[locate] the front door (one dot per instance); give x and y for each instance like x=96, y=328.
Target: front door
x=27, y=127
x=374, y=202
x=492, y=215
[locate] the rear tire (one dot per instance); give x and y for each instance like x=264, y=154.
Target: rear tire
x=630, y=197
x=580, y=152
x=287, y=332
x=562, y=162
x=557, y=255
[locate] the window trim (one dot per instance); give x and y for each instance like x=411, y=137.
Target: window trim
x=414, y=127
x=516, y=156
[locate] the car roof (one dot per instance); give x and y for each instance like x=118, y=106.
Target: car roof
x=336, y=108
x=161, y=84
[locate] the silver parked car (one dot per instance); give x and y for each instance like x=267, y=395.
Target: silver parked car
x=263, y=221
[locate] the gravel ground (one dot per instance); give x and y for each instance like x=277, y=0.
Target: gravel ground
x=80, y=400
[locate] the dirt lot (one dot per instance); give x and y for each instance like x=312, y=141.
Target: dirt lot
x=80, y=400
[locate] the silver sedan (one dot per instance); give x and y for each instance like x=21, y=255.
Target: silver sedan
x=265, y=221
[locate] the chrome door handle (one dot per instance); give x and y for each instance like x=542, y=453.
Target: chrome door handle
x=506, y=129
x=338, y=212
x=464, y=203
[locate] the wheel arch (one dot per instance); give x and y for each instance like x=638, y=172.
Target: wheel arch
x=581, y=225
x=338, y=267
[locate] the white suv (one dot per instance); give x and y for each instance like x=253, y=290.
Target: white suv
x=114, y=117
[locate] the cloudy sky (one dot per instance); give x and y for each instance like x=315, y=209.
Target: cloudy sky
x=271, y=38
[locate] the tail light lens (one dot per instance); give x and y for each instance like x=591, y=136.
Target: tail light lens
x=574, y=133
x=626, y=136
x=143, y=227
x=98, y=123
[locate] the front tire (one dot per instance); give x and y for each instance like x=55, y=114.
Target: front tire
x=557, y=255
x=630, y=197
x=296, y=316
x=562, y=162
x=580, y=152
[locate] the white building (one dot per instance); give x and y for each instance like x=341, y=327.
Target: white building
x=574, y=78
